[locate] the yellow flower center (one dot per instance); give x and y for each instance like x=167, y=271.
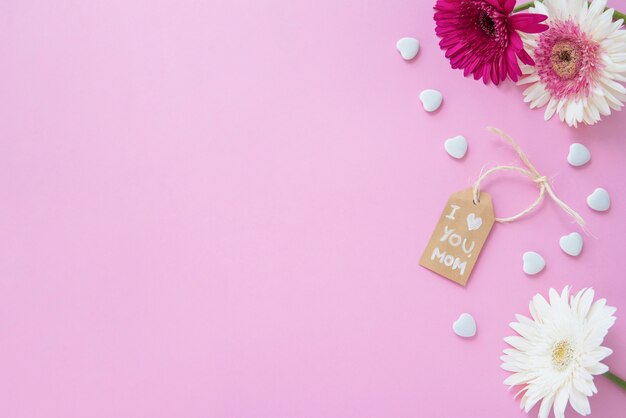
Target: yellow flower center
x=562, y=354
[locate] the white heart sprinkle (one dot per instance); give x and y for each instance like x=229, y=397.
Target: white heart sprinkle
x=408, y=47
x=578, y=155
x=431, y=99
x=599, y=200
x=572, y=244
x=533, y=263
x=474, y=222
x=456, y=147
x=465, y=326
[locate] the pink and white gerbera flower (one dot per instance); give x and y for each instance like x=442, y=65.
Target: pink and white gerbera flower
x=579, y=61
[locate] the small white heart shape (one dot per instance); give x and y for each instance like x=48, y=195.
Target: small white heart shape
x=474, y=222
x=599, y=200
x=456, y=147
x=465, y=326
x=572, y=244
x=431, y=99
x=408, y=48
x=533, y=263
x=578, y=155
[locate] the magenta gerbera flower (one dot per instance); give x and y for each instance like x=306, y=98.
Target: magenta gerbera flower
x=481, y=37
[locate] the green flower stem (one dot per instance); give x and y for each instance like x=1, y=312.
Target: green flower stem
x=616, y=15
x=524, y=6
x=616, y=379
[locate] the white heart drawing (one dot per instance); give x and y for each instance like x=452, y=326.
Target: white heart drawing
x=599, y=200
x=474, y=222
x=431, y=99
x=465, y=326
x=572, y=244
x=456, y=147
x=408, y=47
x=578, y=155
x=533, y=263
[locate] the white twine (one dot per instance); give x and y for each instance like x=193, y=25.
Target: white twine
x=534, y=175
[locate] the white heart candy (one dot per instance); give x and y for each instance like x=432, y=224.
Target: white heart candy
x=473, y=222
x=408, y=47
x=599, y=200
x=456, y=147
x=431, y=99
x=578, y=155
x=533, y=263
x=465, y=326
x=572, y=244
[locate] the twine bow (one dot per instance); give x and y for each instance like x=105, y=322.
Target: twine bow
x=534, y=175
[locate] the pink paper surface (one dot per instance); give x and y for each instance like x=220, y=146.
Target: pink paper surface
x=216, y=209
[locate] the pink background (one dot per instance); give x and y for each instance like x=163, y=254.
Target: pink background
x=216, y=209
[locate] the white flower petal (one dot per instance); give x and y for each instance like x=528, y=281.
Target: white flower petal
x=550, y=109
x=532, y=78
x=525, y=331
x=560, y=402
x=585, y=302
x=597, y=368
x=518, y=342
x=516, y=379
x=546, y=404
x=596, y=356
x=539, y=307
x=584, y=386
x=579, y=402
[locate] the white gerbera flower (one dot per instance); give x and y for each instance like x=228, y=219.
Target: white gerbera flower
x=579, y=61
x=558, y=352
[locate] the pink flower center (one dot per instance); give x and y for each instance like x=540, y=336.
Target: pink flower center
x=567, y=60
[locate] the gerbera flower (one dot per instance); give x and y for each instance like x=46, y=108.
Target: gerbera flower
x=558, y=352
x=481, y=37
x=579, y=62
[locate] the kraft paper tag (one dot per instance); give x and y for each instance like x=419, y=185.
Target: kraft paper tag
x=459, y=236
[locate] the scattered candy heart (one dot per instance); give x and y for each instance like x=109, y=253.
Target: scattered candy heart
x=408, y=47
x=599, y=200
x=431, y=99
x=465, y=326
x=456, y=147
x=572, y=244
x=533, y=263
x=578, y=155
